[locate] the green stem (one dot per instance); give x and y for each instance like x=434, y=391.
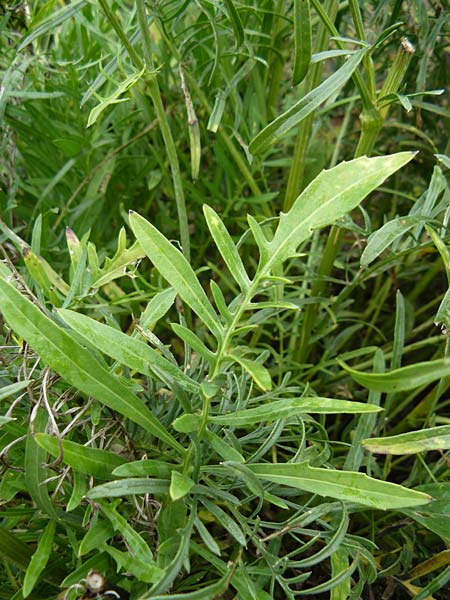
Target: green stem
x=297, y=169
x=155, y=95
x=372, y=120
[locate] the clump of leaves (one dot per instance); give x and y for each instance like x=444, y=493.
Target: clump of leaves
x=189, y=426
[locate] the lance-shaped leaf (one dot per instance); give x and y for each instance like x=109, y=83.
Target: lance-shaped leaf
x=127, y=350
x=434, y=438
x=329, y=197
x=405, y=378
x=305, y=106
x=173, y=266
x=343, y=485
x=74, y=362
x=386, y=235
x=226, y=247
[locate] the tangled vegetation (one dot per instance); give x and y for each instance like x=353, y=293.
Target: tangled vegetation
x=224, y=299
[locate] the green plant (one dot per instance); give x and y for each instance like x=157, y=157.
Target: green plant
x=190, y=426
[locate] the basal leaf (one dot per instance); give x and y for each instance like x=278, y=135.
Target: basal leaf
x=174, y=267
x=434, y=438
x=343, y=485
x=74, y=363
x=127, y=350
x=405, y=378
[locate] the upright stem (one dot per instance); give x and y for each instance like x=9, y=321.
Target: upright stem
x=297, y=169
x=155, y=95
x=372, y=119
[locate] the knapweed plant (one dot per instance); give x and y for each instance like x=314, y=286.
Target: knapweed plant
x=246, y=398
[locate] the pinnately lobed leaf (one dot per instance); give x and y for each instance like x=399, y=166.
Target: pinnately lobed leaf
x=331, y=195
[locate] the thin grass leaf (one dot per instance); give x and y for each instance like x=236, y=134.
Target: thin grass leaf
x=91, y=461
x=226, y=247
x=343, y=485
x=51, y=23
x=236, y=22
x=74, y=363
x=302, y=40
x=329, y=197
x=39, y=559
x=14, y=388
x=400, y=380
x=127, y=350
x=304, y=107
x=386, y=235
x=173, y=266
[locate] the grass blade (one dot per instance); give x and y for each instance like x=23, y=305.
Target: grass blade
x=302, y=40
x=304, y=107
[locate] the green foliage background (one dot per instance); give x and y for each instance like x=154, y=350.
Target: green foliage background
x=190, y=395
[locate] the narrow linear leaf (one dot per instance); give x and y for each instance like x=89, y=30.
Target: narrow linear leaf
x=74, y=363
x=282, y=409
x=434, y=438
x=305, y=106
x=405, y=378
x=193, y=128
x=157, y=308
x=92, y=461
x=226, y=521
x=386, y=235
x=226, y=247
x=192, y=340
x=39, y=559
x=236, y=22
x=156, y=468
x=127, y=350
x=129, y=487
x=329, y=197
x=302, y=40
x=174, y=267
x=9, y=390
x=57, y=18
x=343, y=485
